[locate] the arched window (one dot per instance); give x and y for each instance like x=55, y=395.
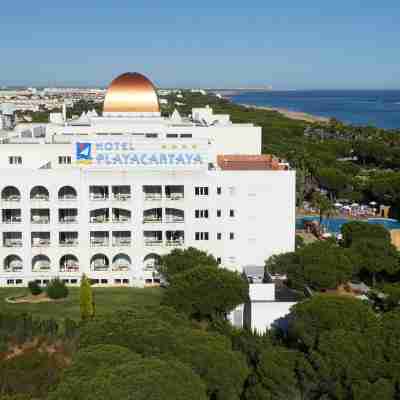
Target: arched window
x=67, y=193
x=69, y=263
x=10, y=193
x=121, y=262
x=39, y=193
x=151, y=261
x=12, y=263
x=99, y=262
x=41, y=263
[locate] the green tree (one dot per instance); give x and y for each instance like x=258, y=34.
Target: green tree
x=206, y=292
x=333, y=180
x=86, y=299
x=323, y=205
x=358, y=230
x=178, y=261
x=311, y=318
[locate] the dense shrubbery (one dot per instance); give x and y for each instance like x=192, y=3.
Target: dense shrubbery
x=56, y=289
x=34, y=288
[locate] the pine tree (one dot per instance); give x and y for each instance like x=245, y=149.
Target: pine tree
x=86, y=299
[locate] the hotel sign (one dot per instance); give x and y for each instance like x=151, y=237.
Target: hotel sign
x=105, y=155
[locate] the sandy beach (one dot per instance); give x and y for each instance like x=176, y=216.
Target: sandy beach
x=291, y=114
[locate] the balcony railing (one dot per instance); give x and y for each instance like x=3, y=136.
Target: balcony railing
x=41, y=220
x=13, y=243
x=99, y=243
x=41, y=243
x=120, y=267
x=174, y=243
x=42, y=267
x=12, y=198
x=152, y=197
x=121, y=220
x=40, y=197
x=68, y=197
x=169, y=219
x=12, y=220
x=70, y=267
x=175, y=196
x=121, y=197
x=68, y=220
x=17, y=267
x=99, y=267
x=122, y=243
x=99, y=220
x=153, y=242
x=98, y=197
x=69, y=243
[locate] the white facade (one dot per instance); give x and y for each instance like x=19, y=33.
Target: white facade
x=62, y=217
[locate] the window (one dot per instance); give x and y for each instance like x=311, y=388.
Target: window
x=64, y=160
x=231, y=213
x=219, y=236
x=219, y=260
x=201, y=213
x=15, y=160
x=219, y=190
x=172, y=135
x=186, y=135
x=104, y=281
x=231, y=236
x=151, y=135
x=201, y=190
x=74, y=281
x=18, y=281
x=218, y=213
x=10, y=282
x=201, y=236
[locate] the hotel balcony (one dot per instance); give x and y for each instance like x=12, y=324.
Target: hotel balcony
x=99, y=239
x=68, y=216
x=41, y=263
x=100, y=216
x=12, y=263
x=68, y=239
x=40, y=239
x=152, y=238
x=121, y=193
x=121, y=263
x=40, y=216
x=99, y=263
x=67, y=193
x=173, y=215
x=39, y=193
x=152, y=192
x=174, y=192
x=151, y=262
x=152, y=215
x=12, y=239
x=11, y=194
x=121, y=216
x=69, y=263
x=11, y=216
x=121, y=239
x=99, y=193
x=175, y=238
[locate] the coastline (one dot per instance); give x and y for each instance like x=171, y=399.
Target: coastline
x=297, y=115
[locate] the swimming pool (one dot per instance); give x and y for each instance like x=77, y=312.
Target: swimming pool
x=333, y=225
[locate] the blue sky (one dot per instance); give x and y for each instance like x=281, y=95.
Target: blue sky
x=288, y=44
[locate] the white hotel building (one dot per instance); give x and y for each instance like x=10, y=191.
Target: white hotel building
x=106, y=196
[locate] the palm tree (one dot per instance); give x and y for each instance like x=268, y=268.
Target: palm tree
x=324, y=206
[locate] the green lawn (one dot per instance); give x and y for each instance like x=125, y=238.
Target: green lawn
x=106, y=300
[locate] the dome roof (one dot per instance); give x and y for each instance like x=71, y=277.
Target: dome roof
x=129, y=93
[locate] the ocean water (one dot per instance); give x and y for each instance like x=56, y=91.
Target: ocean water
x=379, y=108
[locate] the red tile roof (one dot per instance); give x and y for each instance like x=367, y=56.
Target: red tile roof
x=236, y=162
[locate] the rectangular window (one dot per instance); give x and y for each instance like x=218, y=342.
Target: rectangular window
x=201, y=191
x=15, y=160
x=219, y=236
x=219, y=190
x=186, y=135
x=219, y=260
x=19, y=281
x=151, y=135
x=201, y=236
x=201, y=213
x=231, y=213
x=64, y=160
x=10, y=282
x=231, y=236
x=218, y=213
x=172, y=135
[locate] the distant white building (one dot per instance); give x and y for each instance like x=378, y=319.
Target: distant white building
x=107, y=196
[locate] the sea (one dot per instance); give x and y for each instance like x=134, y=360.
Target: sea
x=380, y=108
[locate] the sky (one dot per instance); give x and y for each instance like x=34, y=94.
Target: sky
x=289, y=44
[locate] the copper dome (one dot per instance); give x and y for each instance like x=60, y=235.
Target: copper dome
x=131, y=92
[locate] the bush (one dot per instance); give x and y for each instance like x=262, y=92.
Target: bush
x=56, y=289
x=34, y=288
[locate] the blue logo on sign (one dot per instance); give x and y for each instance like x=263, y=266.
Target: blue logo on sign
x=83, y=151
